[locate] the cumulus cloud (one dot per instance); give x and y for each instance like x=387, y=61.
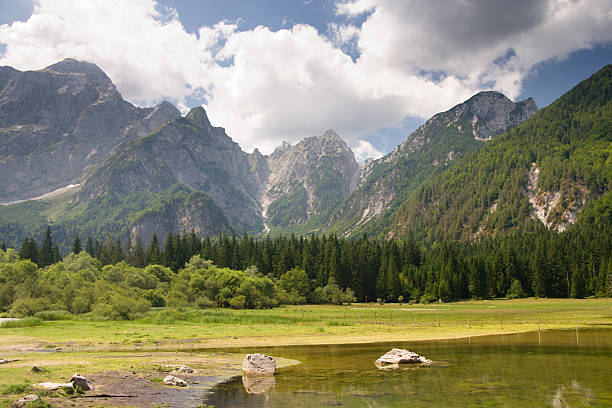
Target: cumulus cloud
x=410, y=58
x=365, y=150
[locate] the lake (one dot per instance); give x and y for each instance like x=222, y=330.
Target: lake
x=551, y=368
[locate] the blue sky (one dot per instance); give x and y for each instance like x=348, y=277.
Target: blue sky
x=273, y=70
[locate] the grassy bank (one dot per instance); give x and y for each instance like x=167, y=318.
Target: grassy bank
x=139, y=348
x=185, y=329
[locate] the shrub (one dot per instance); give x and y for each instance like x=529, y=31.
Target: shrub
x=119, y=306
x=205, y=303
x=29, y=306
x=516, y=290
x=238, y=302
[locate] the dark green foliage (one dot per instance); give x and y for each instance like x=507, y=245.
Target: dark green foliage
x=76, y=245
x=289, y=209
x=29, y=250
x=570, y=142
x=46, y=255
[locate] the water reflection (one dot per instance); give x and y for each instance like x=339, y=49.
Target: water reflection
x=258, y=385
x=534, y=369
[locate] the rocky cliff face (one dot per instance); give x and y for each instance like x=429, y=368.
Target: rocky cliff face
x=307, y=180
x=187, y=151
x=56, y=122
x=184, y=212
x=387, y=182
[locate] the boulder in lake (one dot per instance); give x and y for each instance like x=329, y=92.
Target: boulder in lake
x=259, y=364
x=174, y=381
x=258, y=384
x=22, y=402
x=80, y=383
x=397, y=357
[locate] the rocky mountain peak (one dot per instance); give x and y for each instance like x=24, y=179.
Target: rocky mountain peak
x=198, y=117
x=331, y=134
x=280, y=150
x=92, y=73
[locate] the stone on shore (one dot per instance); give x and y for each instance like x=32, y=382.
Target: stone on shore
x=259, y=364
x=51, y=386
x=22, y=402
x=185, y=370
x=80, y=382
x=397, y=357
x=174, y=381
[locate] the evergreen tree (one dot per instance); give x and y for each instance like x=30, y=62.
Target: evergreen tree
x=76, y=245
x=89, y=247
x=29, y=250
x=153, y=255
x=46, y=256
x=138, y=258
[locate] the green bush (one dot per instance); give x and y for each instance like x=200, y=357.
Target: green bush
x=516, y=290
x=29, y=306
x=238, y=302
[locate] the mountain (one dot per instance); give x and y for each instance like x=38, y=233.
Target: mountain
x=58, y=121
x=186, y=151
x=429, y=150
x=541, y=173
x=307, y=181
x=140, y=171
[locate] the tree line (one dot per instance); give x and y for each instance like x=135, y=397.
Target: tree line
x=544, y=263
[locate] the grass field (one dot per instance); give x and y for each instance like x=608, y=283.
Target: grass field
x=144, y=344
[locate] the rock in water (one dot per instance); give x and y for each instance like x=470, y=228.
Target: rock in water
x=174, y=381
x=259, y=364
x=395, y=357
x=27, y=400
x=80, y=382
x=258, y=385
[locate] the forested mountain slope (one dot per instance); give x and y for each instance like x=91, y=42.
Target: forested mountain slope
x=429, y=150
x=543, y=171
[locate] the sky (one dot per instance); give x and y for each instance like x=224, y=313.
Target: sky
x=280, y=70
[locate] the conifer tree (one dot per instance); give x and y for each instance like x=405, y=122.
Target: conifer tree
x=76, y=245
x=45, y=255
x=153, y=255
x=89, y=247
x=138, y=258
x=29, y=250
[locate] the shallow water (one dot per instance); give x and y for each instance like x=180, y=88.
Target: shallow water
x=550, y=369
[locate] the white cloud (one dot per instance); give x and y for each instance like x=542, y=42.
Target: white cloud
x=416, y=58
x=145, y=51
x=364, y=150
